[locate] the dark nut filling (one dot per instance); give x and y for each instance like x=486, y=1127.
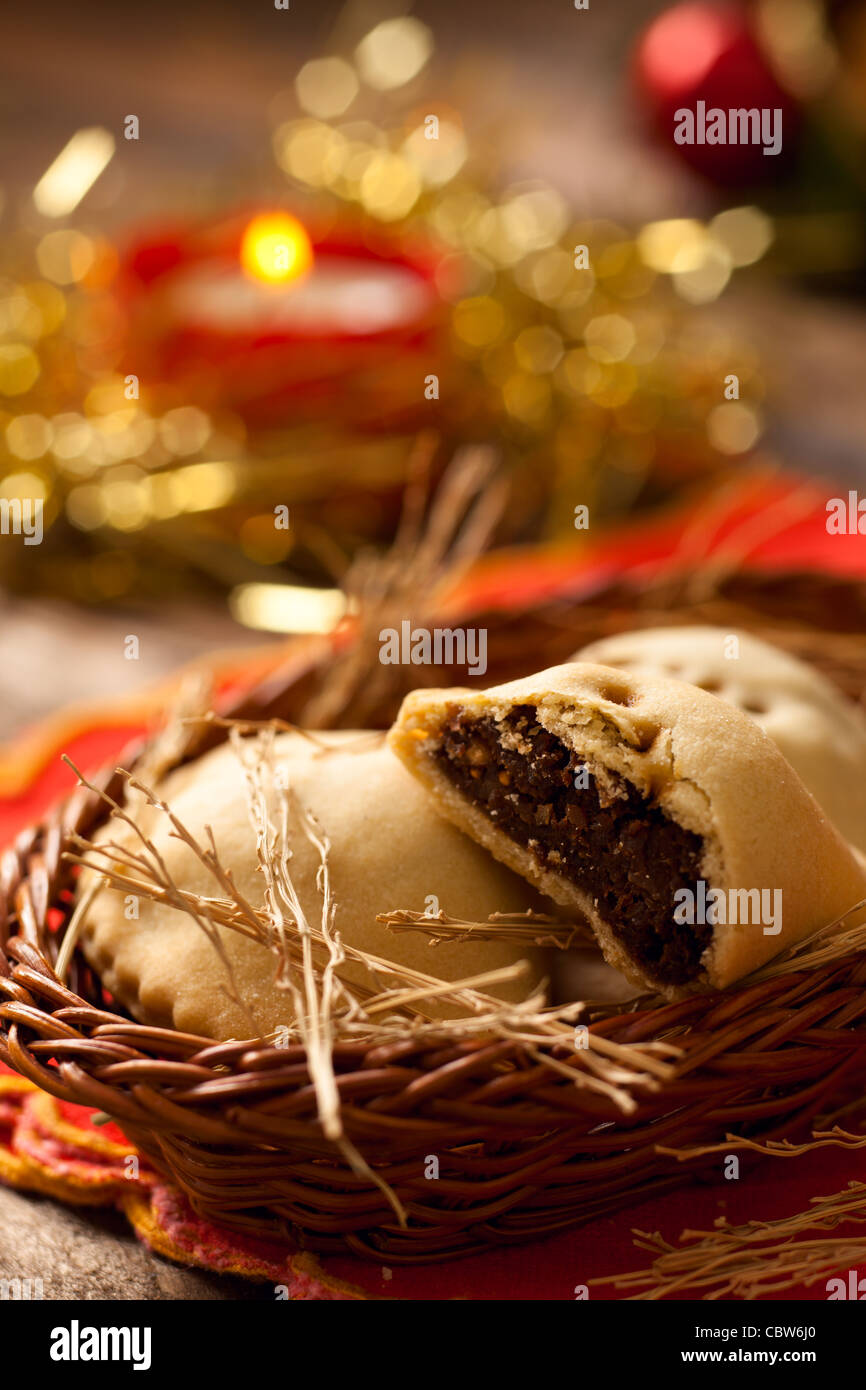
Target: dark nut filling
x=621, y=850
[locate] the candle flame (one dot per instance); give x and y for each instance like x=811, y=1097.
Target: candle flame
x=276, y=248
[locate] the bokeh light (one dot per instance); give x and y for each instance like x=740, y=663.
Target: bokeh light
x=326, y=87
x=19, y=369
x=394, y=52
x=73, y=173
x=390, y=187
x=734, y=427
x=65, y=256
x=746, y=233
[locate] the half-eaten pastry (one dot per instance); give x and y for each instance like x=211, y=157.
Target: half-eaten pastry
x=665, y=815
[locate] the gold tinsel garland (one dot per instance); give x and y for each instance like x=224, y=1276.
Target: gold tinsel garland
x=575, y=345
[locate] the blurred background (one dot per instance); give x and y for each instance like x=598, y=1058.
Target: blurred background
x=261, y=269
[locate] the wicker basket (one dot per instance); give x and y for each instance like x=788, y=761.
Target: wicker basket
x=521, y=1151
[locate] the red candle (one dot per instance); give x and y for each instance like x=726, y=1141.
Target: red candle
x=270, y=320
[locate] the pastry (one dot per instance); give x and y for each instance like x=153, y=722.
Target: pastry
x=820, y=732
x=389, y=850
x=665, y=815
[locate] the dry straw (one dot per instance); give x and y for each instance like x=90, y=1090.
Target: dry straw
x=322, y=1006
x=757, y=1259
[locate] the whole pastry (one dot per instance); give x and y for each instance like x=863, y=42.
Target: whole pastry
x=665, y=815
x=820, y=732
x=389, y=849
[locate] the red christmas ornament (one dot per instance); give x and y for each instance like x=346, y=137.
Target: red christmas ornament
x=712, y=94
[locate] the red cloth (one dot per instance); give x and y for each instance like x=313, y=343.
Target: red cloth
x=764, y=521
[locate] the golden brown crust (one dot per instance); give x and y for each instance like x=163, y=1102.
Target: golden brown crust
x=707, y=765
x=820, y=732
x=389, y=850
